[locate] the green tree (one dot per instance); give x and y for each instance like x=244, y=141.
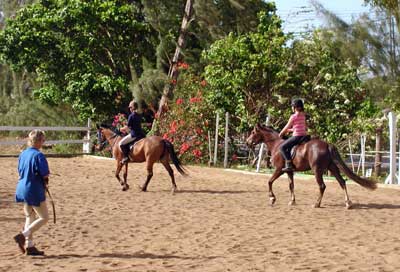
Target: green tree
x=83, y=52
x=212, y=20
x=371, y=44
x=330, y=86
x=244, y=71
x=255, y=74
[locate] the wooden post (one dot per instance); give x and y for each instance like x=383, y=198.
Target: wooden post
x=363, y=140
x=86, y=145
x=378, y=155
x=209, y=149
x=351, y=156
x=216, y=140
x=226, y=140
x=260, y=153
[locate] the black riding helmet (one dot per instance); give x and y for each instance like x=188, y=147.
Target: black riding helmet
x=298, y=103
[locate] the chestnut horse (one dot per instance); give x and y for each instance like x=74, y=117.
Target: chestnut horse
x=315, y=154
x=150, y=150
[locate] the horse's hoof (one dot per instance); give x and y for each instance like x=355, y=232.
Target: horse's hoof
x=272, y=201
x=292, y=203
x=349, y=205
x=124, y=189
x=317, y=205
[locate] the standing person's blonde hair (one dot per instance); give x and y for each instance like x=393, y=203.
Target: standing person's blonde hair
x=35, y=136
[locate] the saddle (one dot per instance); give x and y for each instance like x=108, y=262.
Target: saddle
x=304, y=140
x=134, y=142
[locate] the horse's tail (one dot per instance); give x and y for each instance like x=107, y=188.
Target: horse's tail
x=366, y=183
x=174, y=157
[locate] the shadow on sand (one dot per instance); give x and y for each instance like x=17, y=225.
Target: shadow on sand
x=137, y=255
x=216, y=192
x=375, y=206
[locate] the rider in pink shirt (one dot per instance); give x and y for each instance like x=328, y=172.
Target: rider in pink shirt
x=297, y=125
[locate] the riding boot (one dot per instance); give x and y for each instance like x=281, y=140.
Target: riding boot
x=125, y=151
x=33, y=251
x=288, y=166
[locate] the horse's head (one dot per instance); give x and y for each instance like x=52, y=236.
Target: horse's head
x=262, y=134
x=255, y=137
x=104, y=132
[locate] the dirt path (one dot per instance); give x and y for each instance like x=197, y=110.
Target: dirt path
x=218, y=221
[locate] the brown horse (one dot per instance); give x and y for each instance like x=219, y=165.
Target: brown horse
x=315, y=154
x=150, y=150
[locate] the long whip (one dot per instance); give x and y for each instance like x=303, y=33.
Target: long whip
x=52, y=204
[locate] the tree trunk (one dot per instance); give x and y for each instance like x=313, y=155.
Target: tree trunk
x=173, y=70
x=378, y=155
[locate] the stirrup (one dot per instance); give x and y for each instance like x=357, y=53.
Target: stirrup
x=125, y=160
x=287, y=169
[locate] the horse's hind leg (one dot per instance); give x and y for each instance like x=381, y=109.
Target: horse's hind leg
x=149, y=175
x=171, y=174
x=336, y=173
x=291, y=188
x=319, y=177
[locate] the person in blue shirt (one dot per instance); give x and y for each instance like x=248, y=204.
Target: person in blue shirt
x=33, y=171
x=134, y=127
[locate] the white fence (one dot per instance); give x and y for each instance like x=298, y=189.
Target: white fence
x=393, y=157
x=85, y=141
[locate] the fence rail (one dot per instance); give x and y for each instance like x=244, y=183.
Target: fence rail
x=85, y=141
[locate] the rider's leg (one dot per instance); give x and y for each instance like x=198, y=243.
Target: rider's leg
x=285, y=149
x=124, y=145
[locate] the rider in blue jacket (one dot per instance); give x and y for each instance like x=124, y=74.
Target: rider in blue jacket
x=134, y=127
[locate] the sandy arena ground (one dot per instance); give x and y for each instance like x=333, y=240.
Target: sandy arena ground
x=218, y=221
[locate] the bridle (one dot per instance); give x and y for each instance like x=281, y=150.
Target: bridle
x=102, y=143
x=261, y=141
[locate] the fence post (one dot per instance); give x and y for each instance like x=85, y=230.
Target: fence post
x=261, y=150
x=391, y=178
x=351, y=156
x=216, y=139
x=209, y=149
x=226, y=140
x=86, y=145
x=363, y=140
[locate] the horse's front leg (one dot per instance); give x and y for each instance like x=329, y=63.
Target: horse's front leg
x=291, y=188
x=125, y=186
x=117, y=171
x=275, y=175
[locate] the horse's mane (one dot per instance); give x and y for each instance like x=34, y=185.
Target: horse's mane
x=104, y=125
x=270, y=128
x=113, y=129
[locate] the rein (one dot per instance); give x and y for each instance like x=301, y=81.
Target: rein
x=103, y=143
x=115, y=140
x=271, y=140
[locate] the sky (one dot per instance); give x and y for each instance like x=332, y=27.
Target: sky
x=299, y=14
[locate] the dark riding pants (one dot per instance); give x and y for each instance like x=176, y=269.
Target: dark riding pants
x=287, y=146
